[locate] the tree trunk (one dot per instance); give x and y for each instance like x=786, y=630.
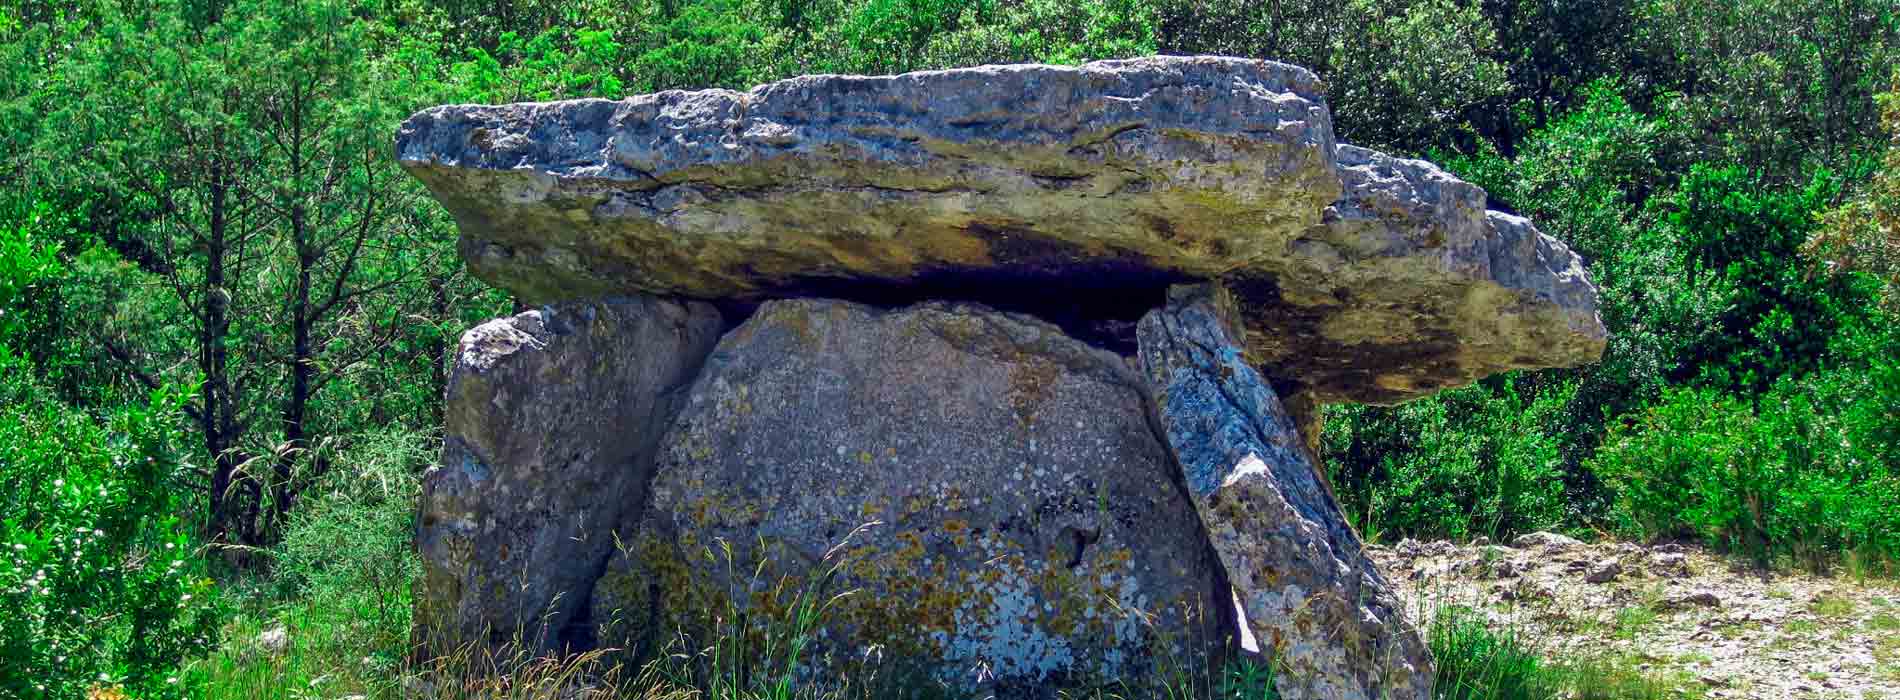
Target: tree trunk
x=215, y=421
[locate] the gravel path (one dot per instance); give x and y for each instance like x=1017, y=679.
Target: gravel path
x=1715, y=627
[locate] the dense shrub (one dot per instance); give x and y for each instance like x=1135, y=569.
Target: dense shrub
x=348, y=545
x=100, y=586
x=1474, y=461
x=1808, y=469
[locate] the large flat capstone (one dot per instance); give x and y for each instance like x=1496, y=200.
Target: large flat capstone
x=1361, y=277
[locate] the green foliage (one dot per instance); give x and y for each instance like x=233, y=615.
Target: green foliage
x=1401, y=75
x=341, y=585
x=1739, y=243
x=1863, y=235
x=348, y=547
x=100, y=584
x=1478, y=660
x=202, y=194
x=1806, y=469
x=1047, y=31
x=1777, y=85
x=1480, y=460
x=28, y=266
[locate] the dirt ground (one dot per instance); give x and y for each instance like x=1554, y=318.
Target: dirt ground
x=1715, y=626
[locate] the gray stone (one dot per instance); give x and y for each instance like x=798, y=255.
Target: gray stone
x=992, y=490
x=274, y=641
x=1409, y=262
x=552, y=419
x=1310, y=594
x=1692, y=599
x=1604, y=571
x=1669, y=565
x=1361, y=277
x=1545, y=540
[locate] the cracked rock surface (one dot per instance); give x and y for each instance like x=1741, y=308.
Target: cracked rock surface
x=992, y=490
x=1311, y=597
x=1067, y=190
x=552, y=419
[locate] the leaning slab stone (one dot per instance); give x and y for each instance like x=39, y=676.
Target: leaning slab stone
x=1363, y=278
x=1311, y=596
x=552, y=419
x=991, y=489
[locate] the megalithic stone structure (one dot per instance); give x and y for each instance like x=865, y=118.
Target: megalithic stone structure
x=1010, y=348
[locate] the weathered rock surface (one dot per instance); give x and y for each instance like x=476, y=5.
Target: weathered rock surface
x=1549, y=541
x=1027, y=516
x=1082, y=190
x=1408, y=285
x=552, y=419
x=1309, y=592
x=1744, y=632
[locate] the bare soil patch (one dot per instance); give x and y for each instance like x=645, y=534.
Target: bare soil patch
x=1715, y=627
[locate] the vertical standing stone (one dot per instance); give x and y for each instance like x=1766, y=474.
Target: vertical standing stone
x=552, y=419
x=1311, y=597
x=990, y=491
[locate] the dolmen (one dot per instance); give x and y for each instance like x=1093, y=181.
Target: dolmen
x=1006, y=378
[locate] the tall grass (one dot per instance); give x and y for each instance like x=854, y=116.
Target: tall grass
x=341, y=594
x=1477, y=660
x=1481, y=660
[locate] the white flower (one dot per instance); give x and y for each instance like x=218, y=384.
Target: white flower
x=19, y=548
x=59, y=483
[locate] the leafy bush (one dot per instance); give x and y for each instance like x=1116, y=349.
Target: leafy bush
x=1807, y=469
x=348, y=545
x=1482, y=460
x=100, y=585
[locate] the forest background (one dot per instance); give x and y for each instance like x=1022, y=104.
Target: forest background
x=225, y=312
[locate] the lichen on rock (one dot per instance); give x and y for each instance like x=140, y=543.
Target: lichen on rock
x=1363, y=277
x=552, y=419
x=924, y=423
x=1313, y=600
x=990, y=488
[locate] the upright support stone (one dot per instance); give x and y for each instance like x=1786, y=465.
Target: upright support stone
x=552, y=418
x=1311, y=596
x=990, y=491
x=1309, y=419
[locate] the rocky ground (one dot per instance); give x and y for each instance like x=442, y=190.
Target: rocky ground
x=1715, y=626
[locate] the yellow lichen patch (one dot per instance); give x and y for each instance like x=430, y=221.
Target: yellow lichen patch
x=915, y=597
x=1031, y=382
